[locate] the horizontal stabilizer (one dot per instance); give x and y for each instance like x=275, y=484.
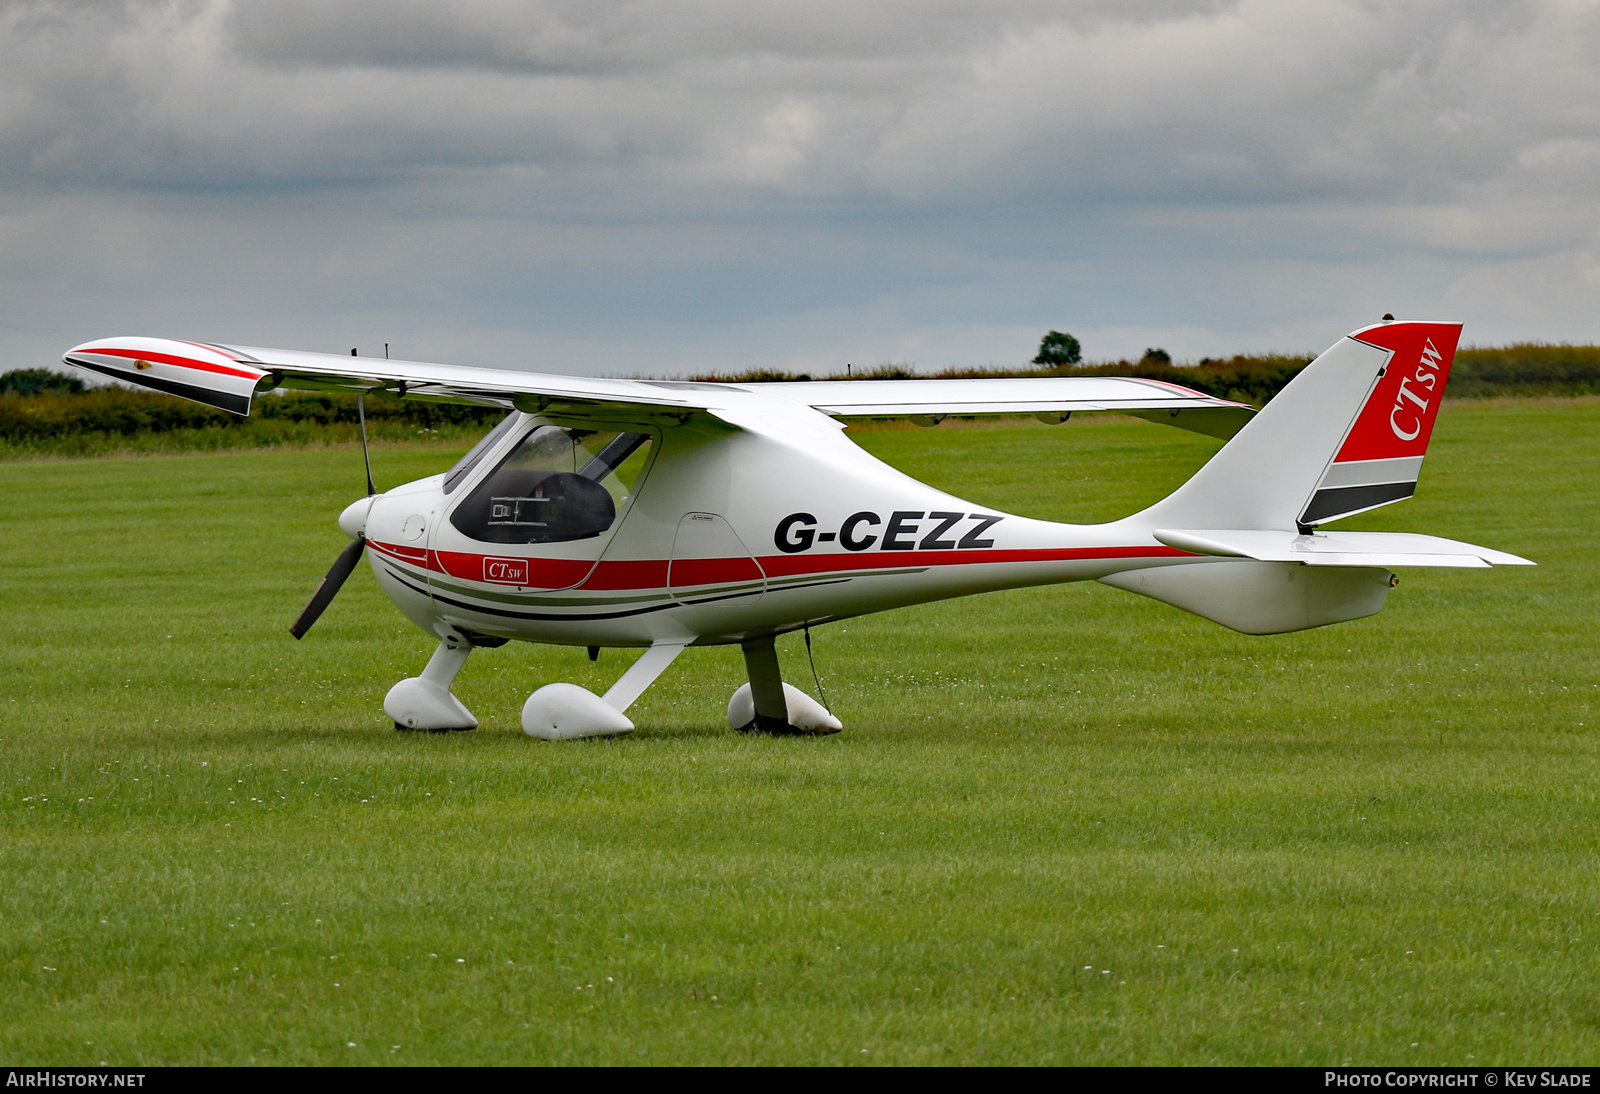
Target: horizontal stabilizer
x=1387, y=549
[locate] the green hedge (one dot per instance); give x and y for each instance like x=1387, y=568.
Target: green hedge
x=39, y=381
x=1530, y=368
x=1242, y=379
x=41, y=413
x=1479, y=371
x=122, y=412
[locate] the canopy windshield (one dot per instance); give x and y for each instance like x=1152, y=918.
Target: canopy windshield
x=555, y=486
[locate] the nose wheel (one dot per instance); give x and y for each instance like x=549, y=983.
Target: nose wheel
x=424, y=702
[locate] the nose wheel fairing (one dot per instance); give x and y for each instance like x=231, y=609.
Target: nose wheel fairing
x=426, y=702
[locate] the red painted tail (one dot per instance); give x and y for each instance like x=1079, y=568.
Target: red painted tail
x=1381, y=456
x=1348, y=434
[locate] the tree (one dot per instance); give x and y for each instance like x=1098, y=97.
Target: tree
x=38, y=381
x=1057, y=349
x=1158, y=354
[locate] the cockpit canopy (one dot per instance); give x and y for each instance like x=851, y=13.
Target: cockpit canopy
x=555, y=486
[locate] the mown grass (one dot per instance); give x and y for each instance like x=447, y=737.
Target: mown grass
x=1063, y=825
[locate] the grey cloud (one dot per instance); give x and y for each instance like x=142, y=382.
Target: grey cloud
x=625, y=180
x=651, y=36
x=1259, y=102
x=1245, y=101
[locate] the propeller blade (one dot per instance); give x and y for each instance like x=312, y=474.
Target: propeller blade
x=343, y=566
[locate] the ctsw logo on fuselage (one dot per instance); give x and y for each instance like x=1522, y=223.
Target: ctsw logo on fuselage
x=905, y=530
x=505, y=571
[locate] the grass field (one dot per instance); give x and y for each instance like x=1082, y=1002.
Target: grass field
x=1064, y=825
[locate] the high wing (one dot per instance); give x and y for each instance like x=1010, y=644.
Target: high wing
x=229, y=377
x=1153, y=400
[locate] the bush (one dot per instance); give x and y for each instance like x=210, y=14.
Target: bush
x=115, y=410
x=110, y=420
x=1527, y=368
x=1057, y=349
x=38, y=381
x=1242, y=379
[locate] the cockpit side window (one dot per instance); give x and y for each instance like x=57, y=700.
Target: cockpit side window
x=464, y=466
x=557, y=485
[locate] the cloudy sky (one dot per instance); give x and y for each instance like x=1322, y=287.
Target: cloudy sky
x=713, y=184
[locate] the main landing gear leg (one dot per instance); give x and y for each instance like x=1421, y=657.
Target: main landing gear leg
x=768, y=705
x=425, y=702
x=558, y=712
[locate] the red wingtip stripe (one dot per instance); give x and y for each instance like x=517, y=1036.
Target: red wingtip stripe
x=173, y=359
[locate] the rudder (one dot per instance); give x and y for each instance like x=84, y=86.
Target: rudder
x=1381, y=456
x=1346, y=435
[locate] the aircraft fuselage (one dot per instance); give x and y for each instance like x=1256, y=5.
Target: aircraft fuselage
x=726, y=534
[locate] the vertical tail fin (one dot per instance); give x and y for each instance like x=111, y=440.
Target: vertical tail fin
x=1346, y=435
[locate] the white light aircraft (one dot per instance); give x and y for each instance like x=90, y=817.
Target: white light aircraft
x=662, y=515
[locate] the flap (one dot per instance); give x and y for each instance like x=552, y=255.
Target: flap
x=1154, y=400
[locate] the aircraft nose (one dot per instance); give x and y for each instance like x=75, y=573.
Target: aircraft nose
x=353, y=521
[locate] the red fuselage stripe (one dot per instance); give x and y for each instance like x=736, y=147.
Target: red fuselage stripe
x=414, y=555
x=645, y=574
x=651, y=574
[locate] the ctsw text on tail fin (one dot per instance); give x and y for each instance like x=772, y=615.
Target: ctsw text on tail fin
x=1381, y=456
x=1346, y=435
